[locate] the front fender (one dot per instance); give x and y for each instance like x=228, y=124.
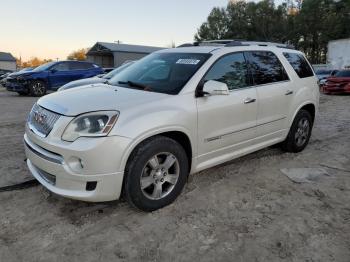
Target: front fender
x=150, y=133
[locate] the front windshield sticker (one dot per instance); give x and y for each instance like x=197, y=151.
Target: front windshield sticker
x=188, y=61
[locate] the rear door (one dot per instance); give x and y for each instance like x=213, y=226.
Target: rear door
x=274, y=92
x=227, y=123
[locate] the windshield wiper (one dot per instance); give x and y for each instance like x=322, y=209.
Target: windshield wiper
x=134, y=84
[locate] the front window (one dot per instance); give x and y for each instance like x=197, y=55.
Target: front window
x=231, y=70
x=161, y=72
x=43, y=67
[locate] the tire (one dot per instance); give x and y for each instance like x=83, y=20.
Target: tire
x=37, y=88
x=148, y=163
x=299, y=133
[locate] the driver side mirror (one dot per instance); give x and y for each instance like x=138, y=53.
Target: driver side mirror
x=213, y=88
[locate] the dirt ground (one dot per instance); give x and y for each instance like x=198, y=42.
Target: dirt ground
x=245, y=210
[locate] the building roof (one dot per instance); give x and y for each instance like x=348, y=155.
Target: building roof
x=114, y=47
x=7, y=57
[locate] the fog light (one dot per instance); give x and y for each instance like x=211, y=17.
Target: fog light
x=76, y=164
x=91, y=186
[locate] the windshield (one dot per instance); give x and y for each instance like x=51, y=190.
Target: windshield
x=27, y=69
x=117, y=70
x=43, y=67
x=345, y=73
x=161, y=72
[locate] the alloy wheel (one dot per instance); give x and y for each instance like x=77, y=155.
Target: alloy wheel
x=302, y=132
x=38, y=88
x=159, y=175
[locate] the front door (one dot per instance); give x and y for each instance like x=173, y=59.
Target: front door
x=59, y=74
x=226, y=123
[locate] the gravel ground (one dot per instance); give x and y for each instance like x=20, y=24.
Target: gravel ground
x=245, y=210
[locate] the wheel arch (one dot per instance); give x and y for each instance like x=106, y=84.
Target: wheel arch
x=308, y=106
x=179, y=135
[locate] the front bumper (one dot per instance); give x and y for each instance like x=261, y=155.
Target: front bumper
x=87, y=169
x=16, y=86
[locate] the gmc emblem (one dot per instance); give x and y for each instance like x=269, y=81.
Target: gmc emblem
x=39, y=117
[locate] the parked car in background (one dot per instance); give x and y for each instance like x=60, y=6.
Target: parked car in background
x=13, y=74
x=338, y=84
x=108, y=69
x=97, y=79
x=50, y=76
x=174, y=112
x=322, y=74
x=4, y=73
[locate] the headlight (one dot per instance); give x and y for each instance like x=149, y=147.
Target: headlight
x=90, y=125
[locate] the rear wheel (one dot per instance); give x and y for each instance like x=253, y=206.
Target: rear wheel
x=37, y=88
x=156, y=173
x=299, y=133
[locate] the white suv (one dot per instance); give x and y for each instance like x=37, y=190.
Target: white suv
x=172, y=113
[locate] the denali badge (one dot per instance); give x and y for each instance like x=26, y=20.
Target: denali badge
x=39, y=117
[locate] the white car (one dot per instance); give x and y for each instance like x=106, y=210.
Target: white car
x=170, y=114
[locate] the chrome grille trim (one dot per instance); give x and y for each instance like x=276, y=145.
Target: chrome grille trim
x=43, y=153
x=41, y=120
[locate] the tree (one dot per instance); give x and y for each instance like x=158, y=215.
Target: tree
x=79, y=54
x=307, y=24
x=32, y=62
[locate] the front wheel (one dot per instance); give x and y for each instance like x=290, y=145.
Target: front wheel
x=37, y=88
x=156, y=173
x=299, y=133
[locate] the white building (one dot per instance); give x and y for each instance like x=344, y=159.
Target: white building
x=338, y=56
x=7, y=61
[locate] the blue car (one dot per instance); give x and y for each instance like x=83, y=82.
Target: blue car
x=50, y=76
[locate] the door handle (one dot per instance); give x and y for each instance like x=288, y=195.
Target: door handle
x=289, y=92
x=249, y=100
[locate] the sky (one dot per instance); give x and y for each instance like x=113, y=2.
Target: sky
x=54, y=28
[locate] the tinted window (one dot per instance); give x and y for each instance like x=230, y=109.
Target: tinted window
x=61, y=66
x=299, y=64
x=161, y=72
x=345, y=73
x=266, y=67
x=320, y=72
x=79, y=65
x=231, y=70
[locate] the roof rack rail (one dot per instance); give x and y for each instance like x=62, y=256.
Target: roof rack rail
x=262, y=43
x=231, y=43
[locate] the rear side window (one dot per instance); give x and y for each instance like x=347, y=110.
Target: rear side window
x=345, y=73
x=231, y=70
x=266, y=68
x=299, y=64
x=79, y=65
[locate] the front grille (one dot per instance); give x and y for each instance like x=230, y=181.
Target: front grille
x=42, y=120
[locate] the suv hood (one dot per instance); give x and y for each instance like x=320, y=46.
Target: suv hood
x=85, y=99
